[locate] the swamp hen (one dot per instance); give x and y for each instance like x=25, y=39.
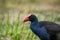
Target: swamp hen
x=45, y=30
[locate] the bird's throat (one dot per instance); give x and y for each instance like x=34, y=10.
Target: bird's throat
x=41, y=32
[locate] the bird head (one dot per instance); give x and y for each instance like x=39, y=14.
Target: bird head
x=30, y=17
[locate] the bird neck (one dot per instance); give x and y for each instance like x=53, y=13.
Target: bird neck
x=34, y=25
x=39, y=31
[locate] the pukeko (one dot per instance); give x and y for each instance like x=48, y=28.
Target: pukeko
x=45, y=30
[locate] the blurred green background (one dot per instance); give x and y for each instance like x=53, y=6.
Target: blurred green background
x=13, y=11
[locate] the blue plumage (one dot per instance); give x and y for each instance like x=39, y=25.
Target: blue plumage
x=41, y=32
x=45, y=30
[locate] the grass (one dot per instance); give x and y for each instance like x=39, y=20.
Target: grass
x=16, y=31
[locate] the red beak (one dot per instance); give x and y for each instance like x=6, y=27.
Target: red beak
x=26, y=19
